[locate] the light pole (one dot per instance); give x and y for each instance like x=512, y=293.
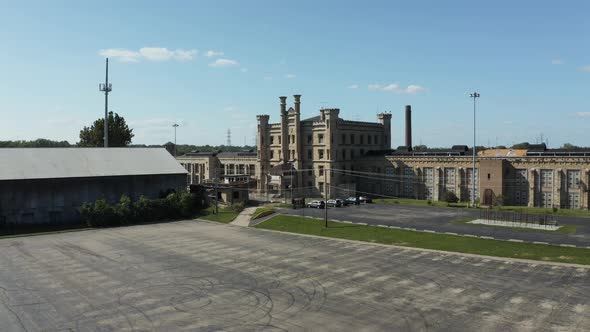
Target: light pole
x=106, y=88
x=175, y=126
x=473, y=95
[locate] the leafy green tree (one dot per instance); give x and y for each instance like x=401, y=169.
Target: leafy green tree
x=523, y=145
x=119, y=133
x=569, y=146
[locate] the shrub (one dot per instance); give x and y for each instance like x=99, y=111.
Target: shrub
x=554, y=209
x=450, y=197
x=99, y=214
x=263, y=214
x=238, y=207
x=174, y=206
x=429, y=202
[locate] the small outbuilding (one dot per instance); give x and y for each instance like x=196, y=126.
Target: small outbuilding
x=49, y=185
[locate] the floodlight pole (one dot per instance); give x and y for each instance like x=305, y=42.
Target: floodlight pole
x=106, y=88
x=175, y=126
x=473, y=95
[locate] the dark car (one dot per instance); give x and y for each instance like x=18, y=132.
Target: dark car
x=353, y=200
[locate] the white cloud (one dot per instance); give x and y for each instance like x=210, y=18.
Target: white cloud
x=156, y=53
x=120, y=54
x=212, y=53
x=182, y=55
x=556, y=61
x=290, y=76
x=148, y=53
x=583, y=114
x=413, y=89
x=243, y=70
x=585, y=68
x=223, y=63
x=395, y=88
x=354, y=86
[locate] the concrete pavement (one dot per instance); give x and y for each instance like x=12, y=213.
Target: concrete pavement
x=243, y=219
x=199, y=276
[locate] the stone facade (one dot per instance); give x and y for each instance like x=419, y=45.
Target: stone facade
x=331, y=157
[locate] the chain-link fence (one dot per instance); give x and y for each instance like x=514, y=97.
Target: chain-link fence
x=518, y=217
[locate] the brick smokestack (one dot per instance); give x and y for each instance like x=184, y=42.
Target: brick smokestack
x=409, y=126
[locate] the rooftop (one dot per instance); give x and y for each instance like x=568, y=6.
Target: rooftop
x=50, y=163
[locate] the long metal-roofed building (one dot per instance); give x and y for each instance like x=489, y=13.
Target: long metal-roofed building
x=48, y=185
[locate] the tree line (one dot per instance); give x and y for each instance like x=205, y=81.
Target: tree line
x=120, y=135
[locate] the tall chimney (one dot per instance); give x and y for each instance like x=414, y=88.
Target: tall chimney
x=409, y=126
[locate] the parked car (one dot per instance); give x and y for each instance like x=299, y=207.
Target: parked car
x=316, y=204
x=334, y=203
x=365, y=199
x=353, y=200
x=346, y=202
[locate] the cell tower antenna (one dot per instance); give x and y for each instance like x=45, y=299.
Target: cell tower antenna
x=106, y=87
x=228, y=137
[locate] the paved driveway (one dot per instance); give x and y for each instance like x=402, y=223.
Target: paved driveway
x=440, y=220
x=199, y=276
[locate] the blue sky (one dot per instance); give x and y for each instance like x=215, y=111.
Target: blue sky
x=214, y=65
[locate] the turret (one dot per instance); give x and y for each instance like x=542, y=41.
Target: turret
x=385, y=120
x=284, y=130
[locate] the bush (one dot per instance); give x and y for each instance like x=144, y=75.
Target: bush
x=238, y=207
x=173, y=206
x=99, y=214
x=429, y=202
x=450, y=197
x=554, y=209
x=263, y=214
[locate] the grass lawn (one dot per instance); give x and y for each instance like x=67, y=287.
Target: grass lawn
x=446, y=242
x=564, y=229
x=264, y=209
x=225, y=215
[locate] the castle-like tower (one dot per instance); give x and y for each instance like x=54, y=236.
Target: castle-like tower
x=320, y=149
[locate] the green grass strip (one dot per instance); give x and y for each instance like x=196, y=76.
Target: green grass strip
x=462, y=244
x=225, y=215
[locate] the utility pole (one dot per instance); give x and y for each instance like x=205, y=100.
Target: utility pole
x=106, y=88
x=215, y=183
x=175, y=126
x=325, y=204
x=473, y=95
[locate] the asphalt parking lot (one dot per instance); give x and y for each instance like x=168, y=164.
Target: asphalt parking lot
x=199, y=276
x=441, y=220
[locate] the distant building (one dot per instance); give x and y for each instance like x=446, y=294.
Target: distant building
x=48, y=185
x=331, y=157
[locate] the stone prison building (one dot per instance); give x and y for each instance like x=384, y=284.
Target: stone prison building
x=327, y=156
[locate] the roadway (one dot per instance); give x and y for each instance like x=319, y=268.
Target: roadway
x=441, y=220
x=201, y=276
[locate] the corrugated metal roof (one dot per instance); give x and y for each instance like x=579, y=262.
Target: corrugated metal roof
x=48, y=163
